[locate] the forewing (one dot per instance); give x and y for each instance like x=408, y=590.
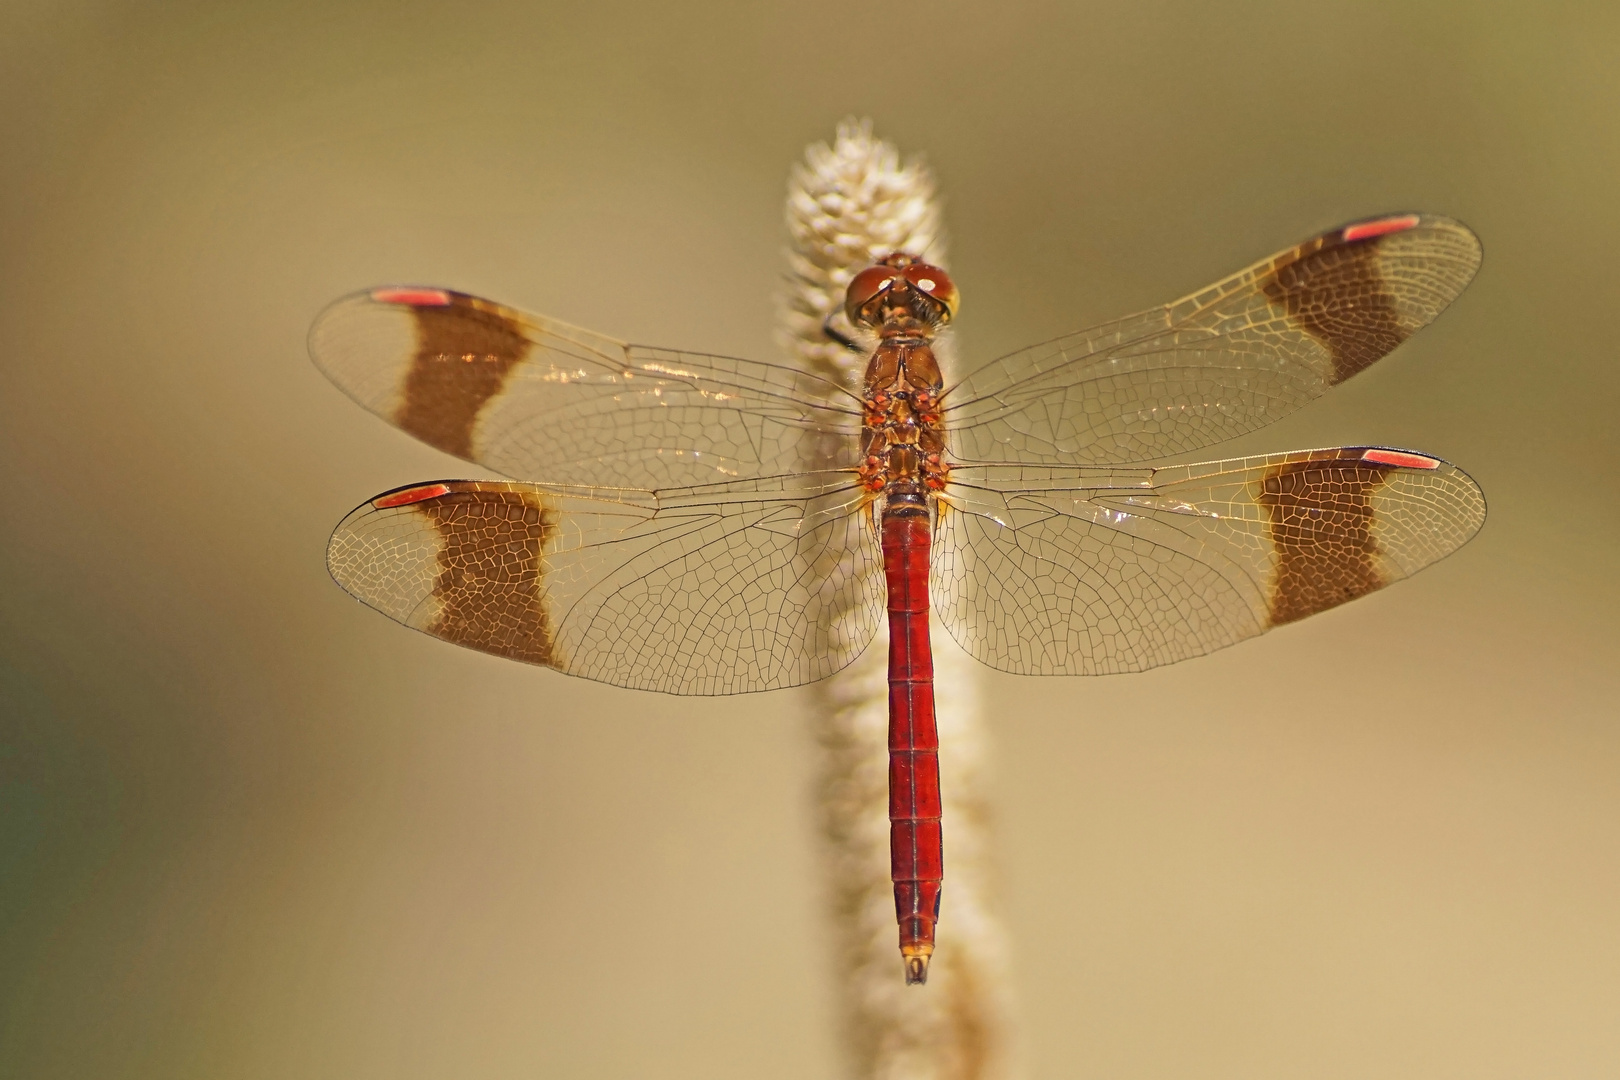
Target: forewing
x=1050, y=571
x=716, y=590
x=1224, y=361
x=537, y=399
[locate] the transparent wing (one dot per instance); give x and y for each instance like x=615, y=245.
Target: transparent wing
x=1221, y=362
x=716, y=590
x=537, y=399
x=1052, y=571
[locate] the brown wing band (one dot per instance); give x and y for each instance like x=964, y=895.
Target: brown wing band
x=1335, y=292
x=464, y=350
x=1321, y=520
x=491, y=572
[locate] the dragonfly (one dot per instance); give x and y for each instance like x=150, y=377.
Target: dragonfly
x=699, y=524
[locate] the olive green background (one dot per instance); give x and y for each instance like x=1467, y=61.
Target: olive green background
x=249, y=828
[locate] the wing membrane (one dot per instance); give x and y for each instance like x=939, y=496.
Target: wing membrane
x=1224, y=361
x=1051, y=571
x=537, y=399
x=722, y=589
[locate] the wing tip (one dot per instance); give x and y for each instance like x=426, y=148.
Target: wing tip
x=1391, y=224
x=1416, y=462
x=390, y=296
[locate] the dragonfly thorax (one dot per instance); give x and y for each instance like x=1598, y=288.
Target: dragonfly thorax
x=902, y=436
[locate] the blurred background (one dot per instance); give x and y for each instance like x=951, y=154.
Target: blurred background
x=249, y=828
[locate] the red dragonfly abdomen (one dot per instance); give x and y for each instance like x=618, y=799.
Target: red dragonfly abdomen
x=917, y=855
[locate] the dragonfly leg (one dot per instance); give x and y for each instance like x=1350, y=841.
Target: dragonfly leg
x=840, y=337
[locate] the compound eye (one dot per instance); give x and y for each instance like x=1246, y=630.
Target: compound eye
x=866, y=286
x=936, y=283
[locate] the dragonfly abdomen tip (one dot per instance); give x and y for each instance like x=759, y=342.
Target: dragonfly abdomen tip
x=916, y=970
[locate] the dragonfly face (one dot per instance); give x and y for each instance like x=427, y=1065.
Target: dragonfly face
x=901, y=291
x=699, y=524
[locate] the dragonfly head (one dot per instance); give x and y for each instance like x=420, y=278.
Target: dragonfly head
x=903, y=284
